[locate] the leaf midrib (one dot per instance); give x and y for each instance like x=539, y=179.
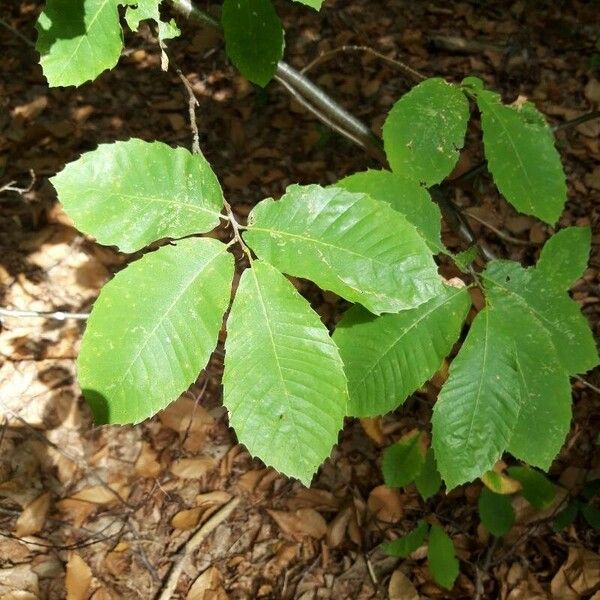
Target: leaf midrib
x=166, y=313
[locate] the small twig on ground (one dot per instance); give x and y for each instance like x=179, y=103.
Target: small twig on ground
x=58, y=315
x=326, y=56
x=504, y=236
x=481, y=572
x=587, y=384
x=185, y=552
x=74, y=459
x=17, y=33
x=11, y=185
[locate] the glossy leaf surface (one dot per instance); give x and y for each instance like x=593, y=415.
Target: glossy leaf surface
x=425, y=130
x=129, y=194
x=388, y=357
x=351, y=244
x=283, y=384
x=153, y=329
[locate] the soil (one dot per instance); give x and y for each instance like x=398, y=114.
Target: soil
x=174, y=507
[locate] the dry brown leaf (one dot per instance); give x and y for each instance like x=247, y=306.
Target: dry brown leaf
x=193, y=468
x=19, y=595
x=336, y=530
x=101, y=594
x=321, y=500
x=188, y=518
x=19, y=578
x=304, y=522
x=185, y=415
x=207, y=586
x=78, y=578
x=386, y=504
x=374, y=429
x=147, y=464
x=32, y=519
x=401, y=588
x=213, y=498
x=578, y=576
x=99, y=494
x=76, y=511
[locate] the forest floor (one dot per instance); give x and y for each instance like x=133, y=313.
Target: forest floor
x=174, y=507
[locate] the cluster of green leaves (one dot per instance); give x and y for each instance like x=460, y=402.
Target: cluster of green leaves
x=370, y=239
x=508, y=388
x=441, y=555
x=78, y=40
x=154, y=326
x=495, y=505
x=582, y=504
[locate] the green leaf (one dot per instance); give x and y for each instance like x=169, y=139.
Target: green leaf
x=478, y=407
x=536, y=489
x=387, y=358
x=465, y=258
x=129, y=194
x=153, y=329
x=591, y=514
x=316, y=4
x=564, y=257
x=590, y=489
x=78, y=40
x=425, y=129
x=283, y=384
x=519, y=147
x=496, y=512
x=253, y=38
x=509, y=388
x=428, y=481
x=407, y=544
x=141, y=10
x=443, y=564
x=351, y=244
x=403, y=461
x=405, y=195
x=565, y=517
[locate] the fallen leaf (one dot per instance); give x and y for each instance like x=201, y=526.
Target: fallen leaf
x=301, y=523
x=578, y=576
x=78, y=578
x=386, y=504
x=401, y=588
x=207, y=586
x=374, y=429
x=192, y=468
x=147, y=464
x=336, y=530
x=32, y=519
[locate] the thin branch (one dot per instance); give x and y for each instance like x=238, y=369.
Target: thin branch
x=183, y=554
x=11, y=185
x=17, y=33
x=587, y=384
x=503, y=236
x=59, y=315
x=326, y=56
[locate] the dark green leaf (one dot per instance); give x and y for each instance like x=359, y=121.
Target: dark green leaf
x=253, y=38
x=565, y=517
x=591, y=514
x=536, y=489
x=428, y=481
x=425, y=130
x=442, y=559
x=403, y=461
x=407, y=544
x=496, y=512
